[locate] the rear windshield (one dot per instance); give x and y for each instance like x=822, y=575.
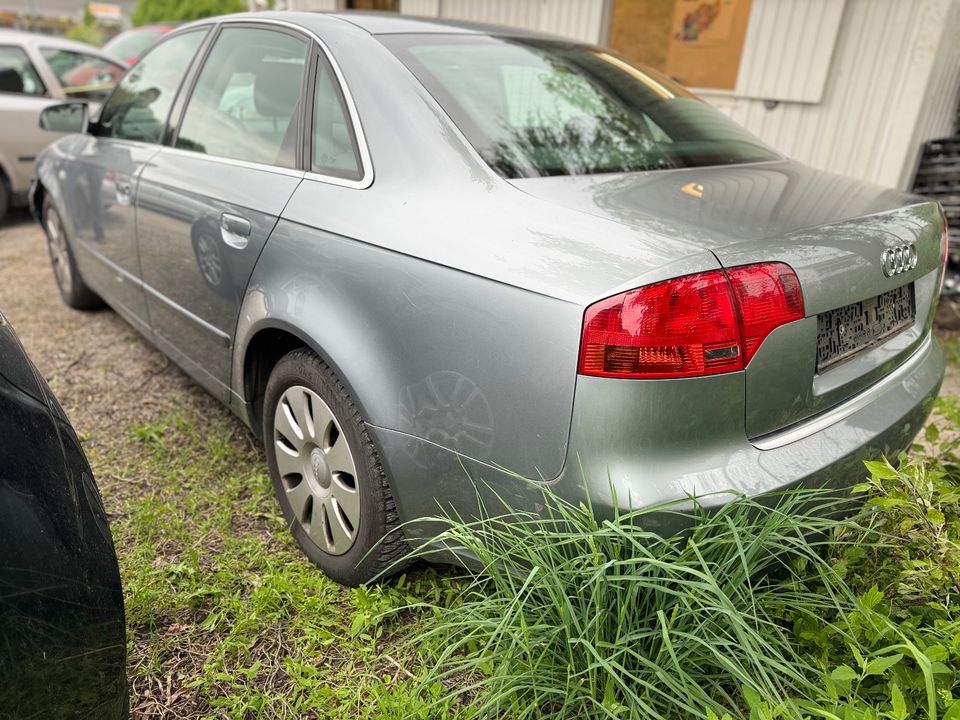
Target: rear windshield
x=535, y=108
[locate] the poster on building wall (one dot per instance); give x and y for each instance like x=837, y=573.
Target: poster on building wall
x=703, y=22
x=706, y=40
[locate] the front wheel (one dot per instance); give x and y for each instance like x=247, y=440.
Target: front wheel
x=73, y=289
x=327, y=474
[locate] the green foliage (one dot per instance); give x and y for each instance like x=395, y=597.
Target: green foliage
x=219, y=598
x=88, y=31
x=790, y=609
x=164, y=11
x=783, y=611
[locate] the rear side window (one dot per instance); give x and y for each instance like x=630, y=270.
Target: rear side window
x=534, y=108
x=17, y=75
x=138, y=108
x=334, y=144
x=246, y=102
x=80, y=74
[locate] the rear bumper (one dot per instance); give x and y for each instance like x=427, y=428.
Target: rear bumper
x=637, y=443
x=679, y=439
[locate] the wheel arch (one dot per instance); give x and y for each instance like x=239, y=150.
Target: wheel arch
x=264, y=345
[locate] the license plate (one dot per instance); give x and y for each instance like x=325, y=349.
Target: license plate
x=843, y=332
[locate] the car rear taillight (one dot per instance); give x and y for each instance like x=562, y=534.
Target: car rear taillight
x=702, y=324
x=944, y=247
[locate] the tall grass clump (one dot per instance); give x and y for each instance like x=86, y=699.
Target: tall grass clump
x=568, y=616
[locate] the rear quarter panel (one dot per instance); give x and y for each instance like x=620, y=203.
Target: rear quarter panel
x=467, y=364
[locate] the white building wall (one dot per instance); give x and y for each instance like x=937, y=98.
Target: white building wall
x=784, y=36
x=426, y=8
x=892, y=83
x=313, y=5
x=584, y=20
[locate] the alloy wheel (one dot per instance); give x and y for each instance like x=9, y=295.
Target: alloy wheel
x=317, y=469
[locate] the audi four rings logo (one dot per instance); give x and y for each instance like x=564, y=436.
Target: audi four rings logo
x=897, y=260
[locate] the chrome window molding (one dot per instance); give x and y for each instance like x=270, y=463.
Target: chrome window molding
x=366, y=163
x=236, y=162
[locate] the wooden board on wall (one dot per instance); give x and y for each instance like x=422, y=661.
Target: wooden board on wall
x=640, y=30
x=706, y=41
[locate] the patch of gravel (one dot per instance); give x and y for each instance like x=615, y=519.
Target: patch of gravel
x=105, y=374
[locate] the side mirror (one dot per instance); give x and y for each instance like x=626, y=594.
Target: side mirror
x=71, y=117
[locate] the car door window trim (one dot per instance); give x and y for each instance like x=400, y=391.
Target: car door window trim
x=194, y=79
x=172, y=127
x=366, y=164
x=193, y=155
x=201, y=50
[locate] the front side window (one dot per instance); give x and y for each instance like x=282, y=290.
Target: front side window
x=138, y=108
x=81, y=74
x=534, y=108
x=246, y=102
x=334, y=144
x=17, y=75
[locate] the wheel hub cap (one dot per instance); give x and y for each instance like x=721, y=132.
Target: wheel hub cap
x=317, y=470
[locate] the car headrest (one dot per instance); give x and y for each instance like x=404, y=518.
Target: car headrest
x=10, y=81
x=276, y=89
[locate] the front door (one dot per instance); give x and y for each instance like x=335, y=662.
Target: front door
x=207, y=206
x=100, y=194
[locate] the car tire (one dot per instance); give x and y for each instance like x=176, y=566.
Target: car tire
x=73, y=289
x=4, y=197
x=327, y=473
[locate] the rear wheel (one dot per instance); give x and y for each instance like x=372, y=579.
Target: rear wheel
x=327, y=474
x=73, y=289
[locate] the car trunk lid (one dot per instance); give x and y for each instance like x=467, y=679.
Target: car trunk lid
x=831, y=230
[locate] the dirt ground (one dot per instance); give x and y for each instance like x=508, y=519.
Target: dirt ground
x=104, y=373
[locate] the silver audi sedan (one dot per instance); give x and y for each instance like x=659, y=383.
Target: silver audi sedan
x=434, y=264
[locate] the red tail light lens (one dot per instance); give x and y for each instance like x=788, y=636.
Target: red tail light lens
x=768, y=296
x=944, y=247
x=702, y=324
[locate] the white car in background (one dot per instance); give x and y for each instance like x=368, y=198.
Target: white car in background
x=37, y=71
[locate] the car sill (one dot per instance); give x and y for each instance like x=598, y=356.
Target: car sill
x=844, y=410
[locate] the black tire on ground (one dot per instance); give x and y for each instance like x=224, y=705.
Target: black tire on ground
x=378, y=545
x=73, y=289
x=4, y=196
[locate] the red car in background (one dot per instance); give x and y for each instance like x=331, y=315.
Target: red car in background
x=130, y=45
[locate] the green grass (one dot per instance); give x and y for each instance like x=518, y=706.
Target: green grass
x=783, y=610
x=226, y=618
x=757, y=613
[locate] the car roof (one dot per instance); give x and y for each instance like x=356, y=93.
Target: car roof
x=382, y=23
x=20, y=37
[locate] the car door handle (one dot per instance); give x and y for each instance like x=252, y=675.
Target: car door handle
x=235, y=230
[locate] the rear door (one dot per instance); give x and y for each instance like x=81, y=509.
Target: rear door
x=206, y=206
x=101, y=181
